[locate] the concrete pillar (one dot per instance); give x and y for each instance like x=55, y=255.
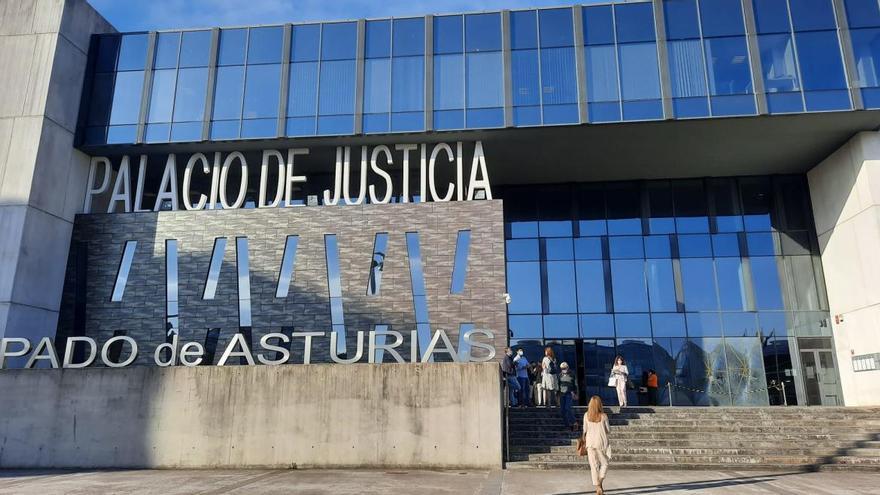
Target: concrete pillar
x=845, y=191
x=43, y=51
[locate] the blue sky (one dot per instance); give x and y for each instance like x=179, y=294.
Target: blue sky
x=146, y=15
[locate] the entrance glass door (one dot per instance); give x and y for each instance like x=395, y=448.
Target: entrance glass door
x=821, y=382
x=597, y=358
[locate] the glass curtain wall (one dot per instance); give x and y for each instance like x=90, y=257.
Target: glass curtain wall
x=117, y=87
x=863, y=17
x=705, y=281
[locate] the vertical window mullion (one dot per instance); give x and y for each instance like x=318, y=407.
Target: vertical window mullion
x=617, y=60
x=540, y=78
x=318, y=76
x=797, y=55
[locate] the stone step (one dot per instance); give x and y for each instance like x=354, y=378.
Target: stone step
x=733, y=460
x=679, y=451
x=662, y=466
x=708, y=443
x=565, y=437
x=706, y=428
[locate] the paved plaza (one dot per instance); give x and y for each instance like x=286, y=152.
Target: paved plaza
x=513, y=482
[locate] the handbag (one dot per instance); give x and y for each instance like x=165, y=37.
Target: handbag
x=612, y=381
x=581, y=446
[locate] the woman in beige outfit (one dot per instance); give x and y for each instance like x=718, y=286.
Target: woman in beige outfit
x=596, y=439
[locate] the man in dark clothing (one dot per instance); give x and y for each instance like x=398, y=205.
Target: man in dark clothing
x=508, y=369
x=567, y=393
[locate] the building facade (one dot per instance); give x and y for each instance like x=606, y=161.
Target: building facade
x=691, y=184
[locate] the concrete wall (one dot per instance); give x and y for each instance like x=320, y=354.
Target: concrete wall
x=427, y=416
x=845, y=192
x=141, y=313
x=43, y=51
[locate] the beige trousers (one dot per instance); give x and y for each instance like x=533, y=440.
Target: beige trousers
x=621, y=392
x=598, y=465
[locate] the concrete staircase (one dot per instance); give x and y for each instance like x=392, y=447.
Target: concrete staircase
x=766, y=438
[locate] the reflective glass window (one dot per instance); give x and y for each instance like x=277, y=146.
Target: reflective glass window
x=728, y=66
x=765, y=280
x=661, y=285
x=162, y=95
x=628, y=285
x=731, y=284
x=725, y=245
x=302, y=96
x=588, y=248
x=597, y=325
x=866, y=50
x=681, y=19
x=132, y=52
x=377, y=39
x=721, y=18
x=739, y=324
x=448, y=81
x=561, y=326
x=337, y=87
x=686, y=69
x=819, y=56
x=811, y=15
x=725, y=200
x=771, y=16
x=377, y=264
x=602, y=73
x=555, y=28
x=484, y=80
x=658, y=246
x=460, y=266
x=108, y=52
x=228, y=93
x=377, y=81
x=339, y=41
x=623, y=247
x=522, y=250
x=448, y=34
x=525, y=326
x=189, y=101
x=167, y=46
x=560, y=293
x=558, y=79
x=668, y=325
x=779, y=63
x=590, y=205
x=698, y=281
x=127, y=98
x=264, y=45
x=703, y=324
x=558, y=249
x=409, y=37
x=244, y=281
x=635, y=22
x=525, y=79
x=231, y=50
x=523, y=285
x=639, y=76
x=598, y=25
x=305, y=41
x=123, y=271
x=262, y=87
x=523, y=30
x=694, y=246
x=288, y=260
x=690, y=206
x=482, y=32
x=623, y=203
x=591, y=287
x=862, y=13
x=637, y=325
x=195, y=49
x=660, y=215
x=407, y=84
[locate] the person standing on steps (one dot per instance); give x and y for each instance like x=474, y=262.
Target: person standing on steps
x=596, y=432
x=537, y=379
x=509, y=372
x=522, y=376
x=550, y=377
x=652, y=387
x=567, y=393
x=620, y=373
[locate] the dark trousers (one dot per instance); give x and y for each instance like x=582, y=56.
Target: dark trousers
x=565, y=409
x=512, y=390
x=525, y=395
x=652, y=396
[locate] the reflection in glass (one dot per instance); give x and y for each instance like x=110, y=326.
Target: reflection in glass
x=262, y=84
x=189, y=100
x=381, y=338
x=334, y=284
x=628, y=285
x=288, y=260
x=460, y=267
x=698, y=279
x=127, y=98
x=214, y=269
x=420, y=300
x=377, y=264
x=122, y=273
x=244, y=281
x=172, y=322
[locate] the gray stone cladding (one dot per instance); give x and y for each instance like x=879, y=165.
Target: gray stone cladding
x=141, y=313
